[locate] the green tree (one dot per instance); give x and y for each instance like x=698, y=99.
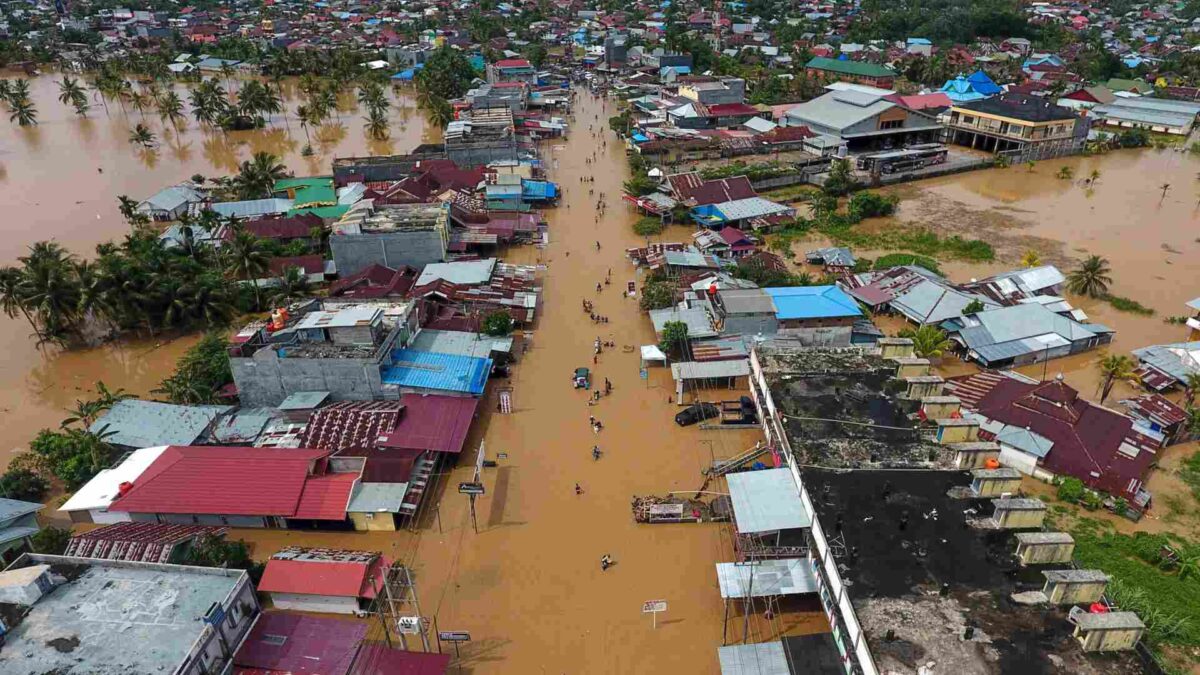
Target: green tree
x=1091, y=278
x=291, y=286
x=257, y=176
x=51, y=540
x=141, y=135
x=658, y=294
x=674, y=337
x=170, y=109
x=22, y=111
x=974, y=307
x=1114, y=367
x=929, y=342
x=73, y=456
x=71, y=92
x=1065, y=173
x=1071, y=490
x=498, y=324
x=376, y=124
x=839, y=181
x=246, y=258
x=447, y=74
x=86, y=412
x=23, y=484
x=200, y=373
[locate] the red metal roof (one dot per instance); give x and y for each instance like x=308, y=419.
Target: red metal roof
x=325, y=497
x=377, y=659
x=513, y=63
x=432, y=422
x=222, y=481
x=311, y=644
x=316, y=577
x=311, y=264
x=295, y=227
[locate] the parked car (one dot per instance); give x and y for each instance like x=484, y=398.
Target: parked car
x=697, y=413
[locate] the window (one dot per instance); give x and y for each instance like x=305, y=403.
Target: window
x=1004, y=127
x=274, y=640
x=967, y=119
x=891, y=124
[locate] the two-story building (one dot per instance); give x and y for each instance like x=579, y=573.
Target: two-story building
x=861, y=72
x=1005, y=123
x=863, y=120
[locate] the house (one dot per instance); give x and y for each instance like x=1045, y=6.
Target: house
x=427, y=372
x=1167, y=365
x=282, y=643
x=692, y=190
x=931, y=104
x=301, y=227
x=739, y=212
x=920, y=296
x=709, y=92
x=1046, y=430
x=851, y=71
x=1022, y=334
x=312, y=268
x=963, y=89
x=240, y=487
x=374, y=281
x=511, y=70
x=90, y=503
x=323, y=580
x=18, y=524
x=1013, y=122
x=833, y=258
x=133, y=423
x=1010, y=288
x=250, y=208
x=863, y=120
x=172, y=202
x=390, y=235
x=1159, y=115
x=812, y=315
x=1087, y=98
x=67, y=608
x=728, y=243
x=340, y=348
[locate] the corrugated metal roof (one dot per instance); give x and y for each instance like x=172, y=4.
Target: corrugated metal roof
x=100, y=491
x=378, y=659
x=766, y=658
x=313, y=577
x=812, y=302
x=304, y=400
x=1176, y=359
x=447, y=372
x=789, y=576
x=312, y=644
x=251, y=208
x=432, y=422
x=699, y=370
x=698, y=323
x=14, y=508
x=766, y=501
x=463, y=272
x=462, y=343
x=377, y=498
x=326, y=497
x=142, y=424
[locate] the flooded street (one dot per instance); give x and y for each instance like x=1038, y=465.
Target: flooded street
x=60, y=180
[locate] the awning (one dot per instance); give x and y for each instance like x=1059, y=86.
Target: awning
x=762, y=578
x=653, y=353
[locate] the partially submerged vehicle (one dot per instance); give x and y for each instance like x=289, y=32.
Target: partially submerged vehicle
x=582, y=378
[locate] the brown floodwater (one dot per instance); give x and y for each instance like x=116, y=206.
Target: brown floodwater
x=60, y=180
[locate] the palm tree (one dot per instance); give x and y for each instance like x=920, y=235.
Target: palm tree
x=292, y=285
x=1065, y=173
x=1112, y=368
x=87, y=411
x=1191, y=386
x=12, y=299
x=1091, y=278
x=1031, y=258
x=257, y=176
x=247, y=259
x=440, y=112
x=377, y=124
x=127, y=207
x=1094, y=177
x=170, y=107
x=70, y=91
x=50, y=289
x=23, y=112
x=929, y=342
x=142, y=136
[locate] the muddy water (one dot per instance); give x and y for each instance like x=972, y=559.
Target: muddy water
x=529, y=586
x=61, y=179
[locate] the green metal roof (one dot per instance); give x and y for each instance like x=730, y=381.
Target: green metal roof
x=860, y=68
x=309, y=190
x=335, y=211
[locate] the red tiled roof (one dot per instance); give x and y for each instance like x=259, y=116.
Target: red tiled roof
x=377, y=659
x=314, y=645
x=325, y=497
x=311, y=264
x=222, y=481
x=432, y=422
x=320, y=577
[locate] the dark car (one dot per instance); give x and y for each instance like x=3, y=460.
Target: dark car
x=697, y=413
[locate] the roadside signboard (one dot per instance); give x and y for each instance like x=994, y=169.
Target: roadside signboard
x=653, y=607
x=454, y=636
x=470, y=488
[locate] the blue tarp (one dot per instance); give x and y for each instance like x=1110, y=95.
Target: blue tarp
x=538, y=190
x=639, y=138
x=408, y=74
x=444, y=372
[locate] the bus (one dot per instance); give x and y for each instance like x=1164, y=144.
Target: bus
x=912, y=157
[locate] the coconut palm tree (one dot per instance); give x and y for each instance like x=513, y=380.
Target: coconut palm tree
x=246, y=258
x=1091, y=278
x=170, y=107
x=1094, y=177
x=86, y=412
x=1065, y=173
x=929, y=342
x=1031, y=258
x=377, y=124
x=24, y=113
x=12, y=299
x=257, y=176
x=142, y=136
x=292, y=285
x=71, y=92
x=50, y=289
x=1114, y=367
x=440, y=112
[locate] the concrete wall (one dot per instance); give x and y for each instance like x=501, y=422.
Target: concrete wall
x=1065, y=593
x=373, y=522
x=1036, y=554
x=265, y=379
x=187, y=519
x=354, y=252
x=300, y=602
x=213, y=651
x=1016, y=459
x=992, y=487
x=1021, y=519
x=1110, y=640
x=832, y=336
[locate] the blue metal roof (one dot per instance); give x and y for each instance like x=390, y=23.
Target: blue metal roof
x=446, y=372
x=811, y=302
x=538, y=190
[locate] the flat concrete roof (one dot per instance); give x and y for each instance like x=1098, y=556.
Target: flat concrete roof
x=1044, y=538
x=767, y=658
x=115, y=619
x=766, y=501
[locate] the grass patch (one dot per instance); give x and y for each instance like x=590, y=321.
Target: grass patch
x=1145, y=580
x=790, y=193
x=1189, y=473
x=896, y=259
x=1128, y=305
x=919, y=241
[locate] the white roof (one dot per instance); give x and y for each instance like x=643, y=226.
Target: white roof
x=101, y=491
x=360, y=315
x=851, y=86
x=652, y=353
x=463, y=272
